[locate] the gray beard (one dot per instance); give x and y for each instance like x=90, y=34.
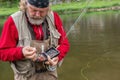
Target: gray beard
x=35, y=21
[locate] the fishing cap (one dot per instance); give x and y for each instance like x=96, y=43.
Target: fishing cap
x=39, y=3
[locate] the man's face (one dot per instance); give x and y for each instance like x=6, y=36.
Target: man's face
x=37, y=13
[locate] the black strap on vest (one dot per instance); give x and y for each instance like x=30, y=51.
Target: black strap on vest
x=45, y=29
x=31, y=31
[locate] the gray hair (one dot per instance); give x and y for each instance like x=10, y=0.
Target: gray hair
x=22, y=5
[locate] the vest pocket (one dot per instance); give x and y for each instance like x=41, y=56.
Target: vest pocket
x=24, y=42
x=55, y=35
x=23, y=67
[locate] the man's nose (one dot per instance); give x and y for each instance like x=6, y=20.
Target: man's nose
x=38, y=14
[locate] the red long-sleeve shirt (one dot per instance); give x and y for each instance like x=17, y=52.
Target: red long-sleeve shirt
x=9, y=51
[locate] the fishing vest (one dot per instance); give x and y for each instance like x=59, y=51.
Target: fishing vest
x=25, y=68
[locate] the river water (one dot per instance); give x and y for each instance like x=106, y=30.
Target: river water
x=95, y=48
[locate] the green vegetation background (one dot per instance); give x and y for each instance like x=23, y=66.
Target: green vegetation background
x=7, y=8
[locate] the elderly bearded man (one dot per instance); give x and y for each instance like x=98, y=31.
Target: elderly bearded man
x=27, y=34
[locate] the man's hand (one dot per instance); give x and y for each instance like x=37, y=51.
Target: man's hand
x=29, y=52
x=52, y=62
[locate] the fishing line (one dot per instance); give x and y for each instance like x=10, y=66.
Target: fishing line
x=89, y=64
x=88, y=2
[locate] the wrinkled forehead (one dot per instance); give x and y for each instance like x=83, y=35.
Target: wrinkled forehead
x=36, y=8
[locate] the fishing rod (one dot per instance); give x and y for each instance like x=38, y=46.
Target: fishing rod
x=88, y=2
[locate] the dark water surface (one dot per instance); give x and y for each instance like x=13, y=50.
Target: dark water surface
x=94, y=52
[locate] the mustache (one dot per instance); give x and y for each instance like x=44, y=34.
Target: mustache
x=37, y=18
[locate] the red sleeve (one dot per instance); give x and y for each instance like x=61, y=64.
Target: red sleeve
x=63, y=41
x=8, y=42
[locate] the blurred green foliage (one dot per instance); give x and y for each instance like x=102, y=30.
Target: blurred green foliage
x=8, y=7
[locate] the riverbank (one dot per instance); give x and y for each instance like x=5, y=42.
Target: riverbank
x=94, y=6
x=72, y=7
